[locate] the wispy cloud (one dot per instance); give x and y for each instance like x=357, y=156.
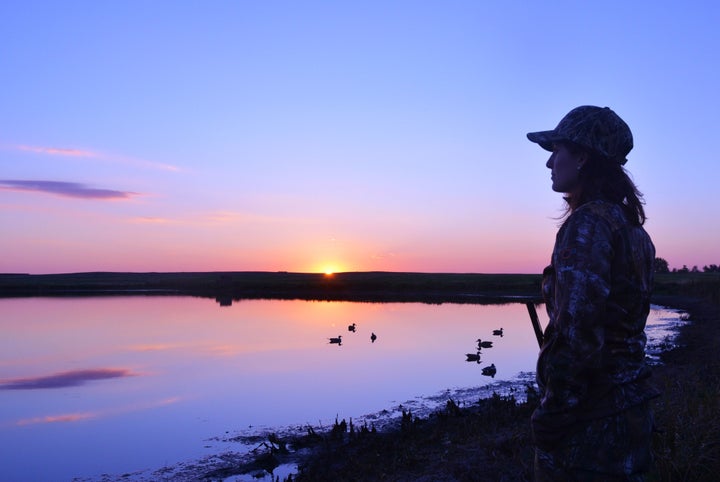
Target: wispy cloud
x=59, y=151
x=156, y=347
x=152, y=220
x=64, y=418
x=227, y=218
x=235, y=217
x=65, y=189
x=85, y=153
x=80, y=416
x=383, y=255
x=64, y=379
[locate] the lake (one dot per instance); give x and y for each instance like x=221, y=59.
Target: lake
x=129, y=385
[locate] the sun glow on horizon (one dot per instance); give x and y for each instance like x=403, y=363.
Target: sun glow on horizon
x=330, y=269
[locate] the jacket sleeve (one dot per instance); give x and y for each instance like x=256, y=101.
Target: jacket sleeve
x=571, y=358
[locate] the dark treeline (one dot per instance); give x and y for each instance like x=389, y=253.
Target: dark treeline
x=227, y=287
x=661, y=266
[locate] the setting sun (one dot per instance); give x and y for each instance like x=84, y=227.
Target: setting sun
x=330, y=269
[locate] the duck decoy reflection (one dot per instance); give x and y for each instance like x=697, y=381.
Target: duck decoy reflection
x=498, y=332
x=373, y=337
x=336, y=341
x=484, y=344
x=490, y=371
x=473, y=357
x=352, y=327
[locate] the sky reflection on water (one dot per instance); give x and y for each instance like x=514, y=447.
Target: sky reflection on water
x=124, y=384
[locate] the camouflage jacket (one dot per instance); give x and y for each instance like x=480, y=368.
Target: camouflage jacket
x=597, y=292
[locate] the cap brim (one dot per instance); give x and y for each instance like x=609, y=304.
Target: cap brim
x=544, y=138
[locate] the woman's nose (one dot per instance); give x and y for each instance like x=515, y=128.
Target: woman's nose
x=549, y=163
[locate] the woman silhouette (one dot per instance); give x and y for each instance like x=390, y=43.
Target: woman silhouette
x=594, y=420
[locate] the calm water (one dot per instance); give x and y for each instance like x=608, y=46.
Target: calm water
x=128, y=385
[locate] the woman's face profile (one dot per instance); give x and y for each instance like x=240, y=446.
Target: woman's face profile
x=564, y=167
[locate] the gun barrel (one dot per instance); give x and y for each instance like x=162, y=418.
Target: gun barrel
x=535, y=322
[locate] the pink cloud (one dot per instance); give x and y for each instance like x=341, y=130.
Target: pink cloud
x=71, y=152
x=64, y=418
x=58, y=151
x=152, y=220
x=78, y=417
x=156, y=347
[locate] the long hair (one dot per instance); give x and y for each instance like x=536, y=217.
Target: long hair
x=606, y=179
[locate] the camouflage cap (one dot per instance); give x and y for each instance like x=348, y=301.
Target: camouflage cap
x=596, y=128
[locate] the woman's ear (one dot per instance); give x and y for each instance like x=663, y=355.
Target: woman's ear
x=582, y=159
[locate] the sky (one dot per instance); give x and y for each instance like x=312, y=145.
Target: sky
x=315, y=136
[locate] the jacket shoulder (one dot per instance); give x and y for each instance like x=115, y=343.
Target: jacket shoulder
x=601, y=212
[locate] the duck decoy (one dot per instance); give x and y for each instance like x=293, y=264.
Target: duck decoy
x=498, y=332
x=336, y=341
x=352, y=327
x=490, y=371
x=473, y=357
x=373, y=337
x=484, y=344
